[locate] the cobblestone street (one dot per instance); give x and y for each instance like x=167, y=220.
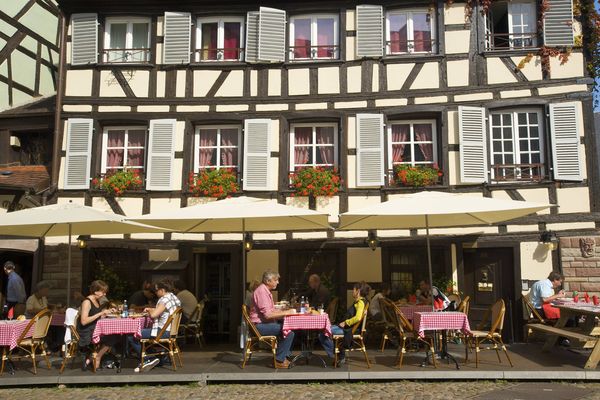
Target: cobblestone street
x=390, y=390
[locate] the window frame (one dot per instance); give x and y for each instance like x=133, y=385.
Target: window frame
x=412, y=142
x=217, y=147
x=314, y=145
x=489, y=34
x=126, y=128
x=410, y=32
x=515, y=139
x=128, y=38
x=314, y=36
x=220, y=21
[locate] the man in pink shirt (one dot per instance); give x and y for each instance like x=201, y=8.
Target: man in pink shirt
x=268, y=320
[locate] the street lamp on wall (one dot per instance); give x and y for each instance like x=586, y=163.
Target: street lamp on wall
x=549, y=239
x=372, y=240
x=248, y=242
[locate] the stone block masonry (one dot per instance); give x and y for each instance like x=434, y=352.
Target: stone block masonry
x=55, y=270
x=580, y=259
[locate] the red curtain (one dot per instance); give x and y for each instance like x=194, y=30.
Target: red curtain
x=325, y=37
x=302, y=38
x=209, y=41
x=232, y=41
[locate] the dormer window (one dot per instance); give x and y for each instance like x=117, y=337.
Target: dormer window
x=127, y=40
x=314, y=37
x=220, y=39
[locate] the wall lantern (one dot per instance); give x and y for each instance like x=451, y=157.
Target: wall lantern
x=248, y=242
x=549, y=239
x=372, y=240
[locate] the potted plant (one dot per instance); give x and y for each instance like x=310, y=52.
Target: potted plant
x=216, y=183
x=315, y=181
x=116, y=182
x=417, y=176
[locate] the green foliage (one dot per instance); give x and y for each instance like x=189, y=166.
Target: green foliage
x=444, y=283
x=315, y=182
x=118, y=288
x=417, y=176
x=217, y=183
x=118, y=181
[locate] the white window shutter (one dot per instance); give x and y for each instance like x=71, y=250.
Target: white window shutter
x=160, y=154
x=565, y=130
x=257, y=136
x=178, y=30
x=369, y=150
x=271, y=35
x=369, y=31
x=251, y=52
x=84, y=39
x=473, y=149
x=79, y=143
x=558, y=23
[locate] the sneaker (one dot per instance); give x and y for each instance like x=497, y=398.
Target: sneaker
x=147, y=366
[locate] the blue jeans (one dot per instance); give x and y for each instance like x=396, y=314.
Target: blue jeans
x=327, y=342
x=146, y=334
x=284, y=345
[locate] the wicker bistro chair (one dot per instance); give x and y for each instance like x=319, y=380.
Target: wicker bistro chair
x=531, y=316
x=41, y=324
x=495, y=316
x=390, y=325
x=72, y=347
x=409, y=336
x=254, y=338
x=464, y=306
x=166, y=345
x=194, y=326
x=358, y=341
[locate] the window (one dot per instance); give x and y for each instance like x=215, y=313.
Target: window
x=217, y=147
x=314, y=37
x=511, y=25
x=127, y=40
x=313, y=145
x=220, y=39
x=406, y=270
x=409, y=31
x=123, y=147
x=517, y=145
x=412, y=142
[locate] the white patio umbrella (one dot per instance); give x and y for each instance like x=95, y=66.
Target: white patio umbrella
x=68, y=219
x=436, y=210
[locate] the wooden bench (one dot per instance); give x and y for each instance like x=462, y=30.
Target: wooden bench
x=587, y=342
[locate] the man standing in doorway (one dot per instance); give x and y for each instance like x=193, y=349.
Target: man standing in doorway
x=15, y=289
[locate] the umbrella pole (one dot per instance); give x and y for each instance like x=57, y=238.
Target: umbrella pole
x=429, y=261
x=69, y=269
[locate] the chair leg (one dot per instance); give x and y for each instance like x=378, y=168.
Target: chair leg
x=33, y=349
x=432, y=349
x=178, y=352
x=335, y=354
x=467, y=344
x=476, y=353
x=383, y=340
x=246, y=352
x=172, y=357
x=142, y=356
x=401, y=351
x=506, y=352
x=364, y=350
x=497, y=351
x=3, y=360
x=274, y=350
x=46, y=355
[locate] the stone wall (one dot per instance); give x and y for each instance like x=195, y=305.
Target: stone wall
x=55, y=269
x=580, y=258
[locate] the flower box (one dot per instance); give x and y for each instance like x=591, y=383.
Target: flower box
x=417, y=176
x=117, y=182
x=215, y=183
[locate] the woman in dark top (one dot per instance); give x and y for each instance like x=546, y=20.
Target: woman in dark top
x=91, y=312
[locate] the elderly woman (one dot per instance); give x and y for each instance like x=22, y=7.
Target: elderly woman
x=38, y=300
x=165, y=306
x=91, y=312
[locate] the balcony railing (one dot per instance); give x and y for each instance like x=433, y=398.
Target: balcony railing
x=323, y=52
x=134, y=55
x=511, y=41
x=221, y=54
x=410, y=46
x=518, y=172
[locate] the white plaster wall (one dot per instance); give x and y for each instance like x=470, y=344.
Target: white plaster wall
x=457, y=42
x=350, y=48
x=532, y=70
x=536, y=261
x=259, y=261
x=78, y=82
x=497, y=72
x=375, y=78
x=330, y=205
x=455, y=14
x=328, y=80
x=397, y=74
x=138, y=81
x=274, y=82
x=363, y=264
x=358, y=202
x=203, y=81
x=161, y=83
x=573, y=68
x=536, y=195
x=573, y=200
x=310, y=235
x=253, y=82
x=131, y=206
x=180, y=83
x=428, y=78
x=354, y=78
x=298, y=82
x=164, y=205
x=458, y=73
x=109, y=87
x=233, y=85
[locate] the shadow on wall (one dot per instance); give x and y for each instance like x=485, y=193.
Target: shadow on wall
x=541, y=252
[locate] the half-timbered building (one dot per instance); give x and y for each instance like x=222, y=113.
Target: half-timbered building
x=263, y=88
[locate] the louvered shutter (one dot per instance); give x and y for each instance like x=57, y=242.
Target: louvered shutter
x=565, y=130
x=257, y=135
x=369, y=151
x=79, y=142
x=473, y=149
x=558, y=23
x=369, y=31
x=178, y=29
x=251, y=54
x=271, y=35
x=84, y=39
x=160, y=154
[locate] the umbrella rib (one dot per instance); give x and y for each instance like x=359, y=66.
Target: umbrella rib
x=48, y=230
x=479, y=219
x=308, y=220
x=357, y=221
x=197, y=225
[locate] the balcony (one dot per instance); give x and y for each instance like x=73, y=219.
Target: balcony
x=323, y=52
x=133, y=55
x=220, y=54
x=511, y=41
x=397, y=47
x=518, y=172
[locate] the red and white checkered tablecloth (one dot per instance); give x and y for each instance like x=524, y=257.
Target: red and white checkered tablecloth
x=409, y=310
x=58, y=319
x=318, y=322
x=439, y=321
x=10, y=331
x=118, y=326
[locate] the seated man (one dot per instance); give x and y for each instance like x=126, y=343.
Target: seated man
x=264, y=315
x=375, y=306
x=427, y=291
x=142, y=297
x=317, y=294
x=187, y=298
x=544, y=291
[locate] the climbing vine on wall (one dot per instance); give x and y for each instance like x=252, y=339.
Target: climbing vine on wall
x=590, y=26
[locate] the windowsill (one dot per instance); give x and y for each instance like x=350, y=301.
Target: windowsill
x=509, y=52
x=317, y=61
x=104, y=193
x=218, y=64
x=399, y=189
x=412, y=57
x=125, y=64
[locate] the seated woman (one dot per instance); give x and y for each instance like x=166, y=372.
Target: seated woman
x=353, y=316
x=165, y=307
x=91, y=312
x=375, y=307
x=38, y=300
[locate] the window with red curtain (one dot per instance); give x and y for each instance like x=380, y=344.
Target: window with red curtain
x=314, y=37
x=313, y=145
x=217, y=147
x=412, y=142
x=409, y=31
x=220, y=39
x=124, y=147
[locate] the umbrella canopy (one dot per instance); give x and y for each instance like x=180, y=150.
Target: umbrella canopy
x=238, y=214
x=436, y=210
x=68, y=218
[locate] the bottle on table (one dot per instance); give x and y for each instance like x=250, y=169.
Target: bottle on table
x=5, y=312
x=302, y=305
x=125, y=313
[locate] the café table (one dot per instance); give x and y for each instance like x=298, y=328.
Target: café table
x=120, y=326
x=309, y=322
x=408, y=310
x=442, y=321
x=589, y=312
x=10, y=332
x=58, y=319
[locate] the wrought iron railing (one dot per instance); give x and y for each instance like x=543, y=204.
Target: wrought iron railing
x=314, y=52
x=141, y=55
x=511, y=41
x=410, y=46
x=518, y=172
x=218, y=54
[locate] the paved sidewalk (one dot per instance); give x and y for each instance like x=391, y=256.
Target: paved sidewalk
x=414, y=390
